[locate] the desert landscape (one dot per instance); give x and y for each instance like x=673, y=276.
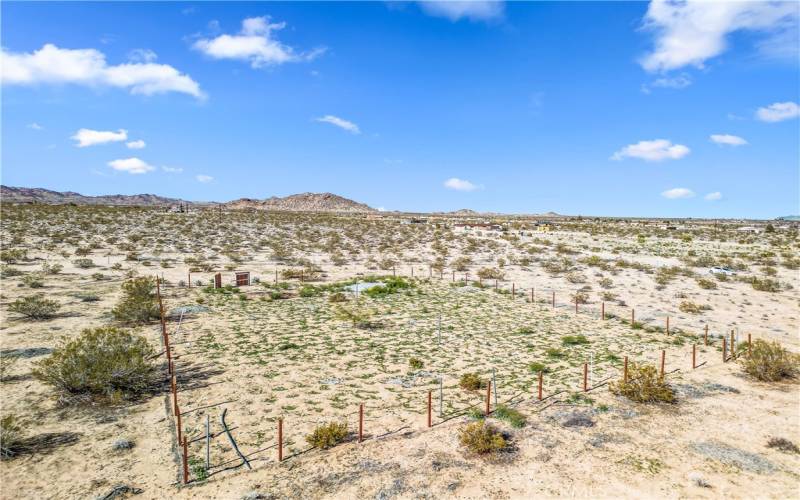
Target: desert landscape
x=386, y=310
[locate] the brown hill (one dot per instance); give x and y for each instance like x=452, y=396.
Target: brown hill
x=10, y=194
x=305, y=202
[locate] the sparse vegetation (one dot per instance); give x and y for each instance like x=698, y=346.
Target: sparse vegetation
x=644, y=385
x=139, y=304
x=35, y=307
x=481, y=438
x=770, y=362
x=328, y=435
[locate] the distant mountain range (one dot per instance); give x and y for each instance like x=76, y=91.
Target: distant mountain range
x=305, y=202
x=38, y=195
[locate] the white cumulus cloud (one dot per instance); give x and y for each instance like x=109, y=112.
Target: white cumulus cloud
x=256, y=44
x=727, y=139
x=137, y=144
x=675, y=193
x=339, y=122
x=688, y=33
x=455, y=10
x=655, y=150
x=205, y=179
x=460, y=184
x=778, y=112
x=172, y=170
x=716, y=195
x=88, y=137
x=131, y=165
x=54, y=65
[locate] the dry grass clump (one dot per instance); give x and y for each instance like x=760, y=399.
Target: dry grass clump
x=782, y=444
x=10, y=435
x=481, y=438
x=35, y=307
x=105, y=361
x=470, y=382
x=139, y=304
x=510, y=415
x=765, y=285
x=491, y=273
x=328, y=435
x=692, y=308
x=769, y=362
x=707, y=284
x=644, y=385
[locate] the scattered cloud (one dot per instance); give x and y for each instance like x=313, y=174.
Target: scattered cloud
x=205, y=179
x=460, y=184
x=716, y=195
x=131, y=165
x=340, y=122
x=655, y=150
x=677, y=193
x=734, y=117
x=676, y=82
x=256, y=44
x=474, y=10
x=779, y=111
x=35, y=126
x=728, y=140
x=54, y=65
x=142, y=56
x=87, y=137
x=172, y=170
x=138, y=144
x=688, y=33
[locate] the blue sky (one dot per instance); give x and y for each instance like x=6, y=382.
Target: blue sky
x=626, y=109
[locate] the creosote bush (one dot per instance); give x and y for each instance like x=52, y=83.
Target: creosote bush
x=35, y=307
x=470, y=382
x=644, y=385
x=481, y=438
x=769, y=362
x=415, y=363
x=139, y=304
x=105, y=361
x=328, y=435
x=10, y=435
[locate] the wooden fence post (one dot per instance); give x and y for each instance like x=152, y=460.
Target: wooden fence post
x=488, y=398
x=663, y=360
x=541, y=376
x=603, y=311
x=625, y=371
x=633, y=318
x=705, y=335
x=178, y=422
x=280, y=440
x=185, y=460
x=554, y=299
x=430, y=409
x=532, y=295
x=724, y=349
x=749, y=345
x=190, y=279
x=667, y=325
x=576, y=303
x=694, y=356
x=733, y=344
x=585, y=377
x=454, y=276
x=361, y=422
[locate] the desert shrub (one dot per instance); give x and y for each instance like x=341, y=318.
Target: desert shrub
x=54, y=268
x=470, y=382
x=555, y=353
x=510, y=415
x=537, y=367
x=769, y=362
x=13, y=255
x=336, y=297
x=33, y=280
x=606, y=283
x=104, y=361
x=609, y=296
x=462, y=263
x=765, y=285
x=576, y=277
x=580, y=297
x=491, y=273
x=7, y=364
x=644, y=385
x=707, y=284
x=139, y=304
x=83, y=263
x=389, y=286
x=35, y=307
x=10, y=436
x=360, y=317
x=328, y=435
x=692, y=308
x=415, y=363
x=782, y=444
x=7, y=271
x=309, y=291
x=481, y=438
x=574, y=340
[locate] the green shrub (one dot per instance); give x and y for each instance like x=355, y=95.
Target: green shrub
x=491, y=273
x=510, y=415
x=309, y=291
x=574, y=340
x=537, y=367
x=389, y=286
x=765, y=285
x=415, y=363
x=7, y=271
x=337, y=297
x=83, y=263
x=328, y=435
x=139, y=303
x=54, y=268
x=769, y=362
x=481, y=438
x=35, y=307
x=644, y=385
x=104, y=361
x=33, y=280
x=470, y=382
x=13, y=255
x=554, y=352
x=10, y=436
x=707, y=284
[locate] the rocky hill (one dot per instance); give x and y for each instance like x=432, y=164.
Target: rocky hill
x=10, y=194
x=305, y=202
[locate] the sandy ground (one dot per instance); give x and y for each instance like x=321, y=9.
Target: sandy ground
x=234, y=355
